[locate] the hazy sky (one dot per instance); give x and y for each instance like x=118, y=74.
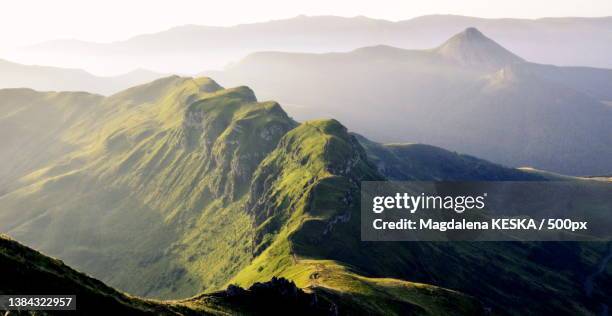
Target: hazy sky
x=27, y=21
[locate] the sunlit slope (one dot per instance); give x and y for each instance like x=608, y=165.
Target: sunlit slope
x=181, y=183
x=153, y=204
x=180, y=186
x=335, y=292
x=28, y=272
x=308, y=214
x=306, y=187
x=34, y=127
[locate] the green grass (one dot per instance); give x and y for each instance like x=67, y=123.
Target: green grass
x=179, y=186
x=151, y=197
x=316, y=166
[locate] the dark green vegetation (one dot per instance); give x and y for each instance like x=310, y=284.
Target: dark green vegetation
x=26, y=271
x=180, y=186
x=469, y=94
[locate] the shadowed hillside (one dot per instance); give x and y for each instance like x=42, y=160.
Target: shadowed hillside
x=28, y=272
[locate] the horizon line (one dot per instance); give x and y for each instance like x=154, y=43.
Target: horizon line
x=73, y=39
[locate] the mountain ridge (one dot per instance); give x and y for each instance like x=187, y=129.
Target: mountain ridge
x=118, y=188
x=359, y=17
x=469, y=95
x=332, y=34
x=49, y=78
x=472, y=48
x=179, y=187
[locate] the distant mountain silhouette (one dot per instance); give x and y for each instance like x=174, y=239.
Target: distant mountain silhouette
x=472, y=48
x=469, y=94
x=561, y=41
x=14, y=75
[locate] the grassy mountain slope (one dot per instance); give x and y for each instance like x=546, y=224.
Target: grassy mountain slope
x=28, y=272
x=161, y=201
x=305, y=187
x=33, y=126
x=183, y=186
x=324, y=145
x=157, y=188
x=321, y=235
x=469, y=95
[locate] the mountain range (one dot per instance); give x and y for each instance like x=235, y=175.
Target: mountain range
x=45, y=78
x=180, y=186
x=562, y=41
x=468, y=94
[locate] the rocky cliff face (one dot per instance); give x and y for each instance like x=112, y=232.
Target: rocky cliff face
x=234, y=134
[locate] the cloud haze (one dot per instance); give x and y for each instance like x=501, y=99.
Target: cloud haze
x=111, y=20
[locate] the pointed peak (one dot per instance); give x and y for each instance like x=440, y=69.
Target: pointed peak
x=472, y=48
x=470, y=34
x=207, y=84
x=473, y=33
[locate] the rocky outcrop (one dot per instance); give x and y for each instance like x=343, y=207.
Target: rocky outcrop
x=277, y=296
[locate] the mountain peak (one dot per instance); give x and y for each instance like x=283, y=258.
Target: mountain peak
x=472, y=48
x=472, y=32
